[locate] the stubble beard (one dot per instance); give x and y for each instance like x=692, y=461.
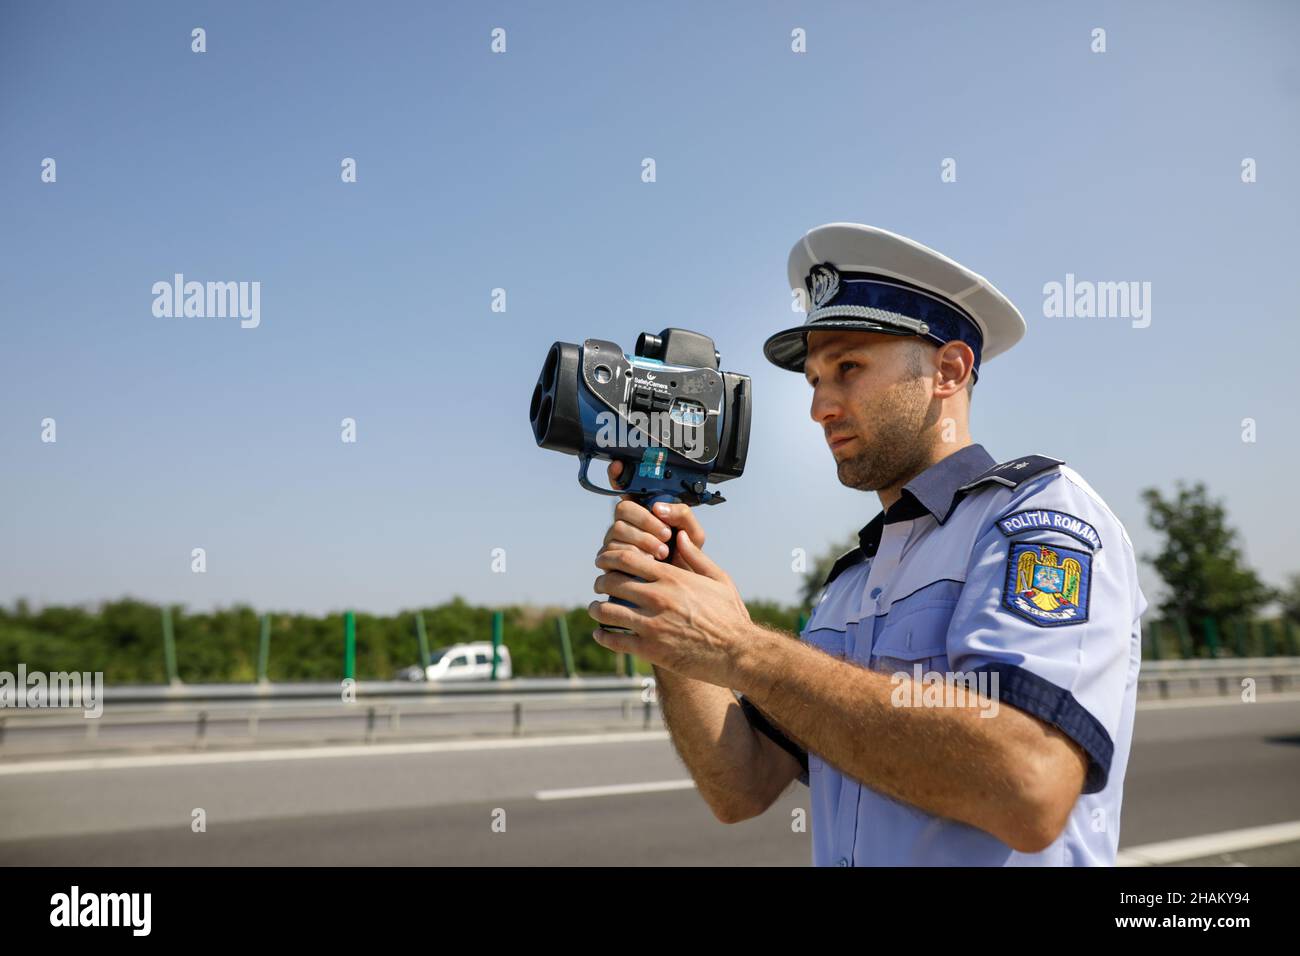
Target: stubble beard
x=898, y=449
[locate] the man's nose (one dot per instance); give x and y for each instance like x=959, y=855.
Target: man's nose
x=825, y=405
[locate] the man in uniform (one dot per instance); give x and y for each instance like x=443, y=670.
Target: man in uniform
x=964, y=690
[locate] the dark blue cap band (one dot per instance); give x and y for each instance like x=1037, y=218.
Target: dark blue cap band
x=885, y=295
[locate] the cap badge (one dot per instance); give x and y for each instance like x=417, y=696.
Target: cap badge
x=824, y=284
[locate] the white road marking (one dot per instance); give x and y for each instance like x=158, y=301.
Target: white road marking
x=320, y=753
x=614, y=790
x=1193, y=848
x=1228, y=700
x=135, y=761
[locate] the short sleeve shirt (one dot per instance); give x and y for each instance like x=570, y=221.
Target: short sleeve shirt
x=1018, y=580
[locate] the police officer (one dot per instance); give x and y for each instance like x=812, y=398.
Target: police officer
x=964, y=690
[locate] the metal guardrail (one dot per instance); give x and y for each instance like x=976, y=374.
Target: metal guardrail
x=380, y=706
x=213, y=711
x=1279, y=671
x=1226, y=673
x=163, y=693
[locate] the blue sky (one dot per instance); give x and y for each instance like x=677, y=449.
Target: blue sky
x=522, y=171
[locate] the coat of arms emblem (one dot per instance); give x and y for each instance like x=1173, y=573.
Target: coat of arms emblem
x=1048, y=585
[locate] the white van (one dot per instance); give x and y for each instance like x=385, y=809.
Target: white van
x=468, y=662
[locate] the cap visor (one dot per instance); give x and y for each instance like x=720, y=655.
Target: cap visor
x=789, y=348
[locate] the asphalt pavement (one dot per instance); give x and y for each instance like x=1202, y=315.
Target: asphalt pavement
x=1196, y=769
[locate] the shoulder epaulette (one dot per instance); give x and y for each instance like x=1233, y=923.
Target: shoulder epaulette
x=1014, y=473
x=842, y=564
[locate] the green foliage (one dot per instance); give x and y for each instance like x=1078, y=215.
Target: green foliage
x=1225, y=637
x=816, y=574
x=1200, y=561
x=774, y=615
x=1289, y=597
x=124, y=640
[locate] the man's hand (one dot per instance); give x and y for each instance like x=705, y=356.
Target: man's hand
x=689, y=620
x=738, y=771
x=636, y=527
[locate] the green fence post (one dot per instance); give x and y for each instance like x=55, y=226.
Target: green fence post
x=169, y=646
x=1212, y=636
x=498, y=627
x=566, y=649
x=423, y=636
x=264, y=649
x=1184, y=638
x=1153, y=639
x=1288, y=632
x=803, y=621
x=349, y=646
x=1267, y=628
x=1238, y=637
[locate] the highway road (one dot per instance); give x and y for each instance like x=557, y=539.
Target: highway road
x=1197, y=769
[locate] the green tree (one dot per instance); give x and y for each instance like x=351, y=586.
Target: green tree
x=123, y=639
x=1289, y=597
x=816, y=573
x=1200, y=561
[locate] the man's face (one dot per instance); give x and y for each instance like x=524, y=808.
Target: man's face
x=872, y=397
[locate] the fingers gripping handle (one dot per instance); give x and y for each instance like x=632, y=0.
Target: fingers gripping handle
x=648, y=502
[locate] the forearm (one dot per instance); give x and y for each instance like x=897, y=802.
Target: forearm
x=711, y=734
x=948, y=761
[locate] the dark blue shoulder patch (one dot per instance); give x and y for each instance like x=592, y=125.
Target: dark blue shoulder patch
x=1013, y=473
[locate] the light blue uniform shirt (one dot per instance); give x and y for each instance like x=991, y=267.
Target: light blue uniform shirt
x=1018, y=572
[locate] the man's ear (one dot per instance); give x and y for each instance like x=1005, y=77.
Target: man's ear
x=954, y=363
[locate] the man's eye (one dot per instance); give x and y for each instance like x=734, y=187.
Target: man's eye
x=847, y=366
